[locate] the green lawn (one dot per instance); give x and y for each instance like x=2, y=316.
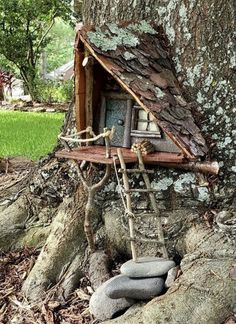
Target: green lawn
x=28, y=134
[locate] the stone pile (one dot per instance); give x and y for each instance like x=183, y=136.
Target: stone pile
x=140, y=280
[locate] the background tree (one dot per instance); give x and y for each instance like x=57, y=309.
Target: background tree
x=25, y=25
x=60, y=48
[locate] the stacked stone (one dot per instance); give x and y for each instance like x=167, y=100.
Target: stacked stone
x=138, y=281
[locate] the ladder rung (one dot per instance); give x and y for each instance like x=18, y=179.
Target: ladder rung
x=140, y=190
x=135, y=171
x=146, y=241
x=146, y=215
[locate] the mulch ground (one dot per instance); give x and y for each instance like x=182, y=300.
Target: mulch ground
x=14, y=309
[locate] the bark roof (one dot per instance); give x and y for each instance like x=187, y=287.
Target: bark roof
x=138, y=58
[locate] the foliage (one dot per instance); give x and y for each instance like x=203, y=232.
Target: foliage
x=6, y=65
x=52, y=91
x=60, y=48
x=28, y=134
x=25, y=25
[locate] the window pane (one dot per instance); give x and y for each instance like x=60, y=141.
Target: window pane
x=142, y=125
x=142, y=114
x=153, y=127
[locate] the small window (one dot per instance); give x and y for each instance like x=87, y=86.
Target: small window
x=143, y=124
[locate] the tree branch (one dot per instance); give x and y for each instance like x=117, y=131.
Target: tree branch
x=46, y=33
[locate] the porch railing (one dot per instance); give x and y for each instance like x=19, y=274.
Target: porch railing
x=107, y=135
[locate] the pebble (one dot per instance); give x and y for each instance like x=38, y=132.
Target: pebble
x=104, y=307
x=171, y=276
x=147, y=267
x=141, y=289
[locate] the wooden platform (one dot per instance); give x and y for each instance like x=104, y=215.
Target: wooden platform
x=96, y=154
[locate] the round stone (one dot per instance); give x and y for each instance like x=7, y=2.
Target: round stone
x=104, y=307
x=171, y=276
x=141, y=288
x=147, y=267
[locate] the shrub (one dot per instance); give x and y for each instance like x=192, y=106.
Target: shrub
x=54, y=91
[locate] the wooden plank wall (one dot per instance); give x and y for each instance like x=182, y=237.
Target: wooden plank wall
x=89, y=89
x=80, y=88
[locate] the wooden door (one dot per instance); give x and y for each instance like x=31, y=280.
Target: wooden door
x=116, y=110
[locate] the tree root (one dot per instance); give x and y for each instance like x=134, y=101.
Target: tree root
x=63, y=256
x=204, y=293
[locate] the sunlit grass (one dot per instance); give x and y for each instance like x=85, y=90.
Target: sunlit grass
x=28, y=134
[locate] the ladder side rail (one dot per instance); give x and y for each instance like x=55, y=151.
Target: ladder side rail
x=128, y=205
x=153, y=203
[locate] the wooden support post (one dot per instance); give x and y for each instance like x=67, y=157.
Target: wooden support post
x=128, y=117
x=80, y=88
x=128, y=205
x=89, y=89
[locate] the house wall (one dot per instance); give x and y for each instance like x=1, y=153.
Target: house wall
x=105, y=86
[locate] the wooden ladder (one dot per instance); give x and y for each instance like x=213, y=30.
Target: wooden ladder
x=127, y=191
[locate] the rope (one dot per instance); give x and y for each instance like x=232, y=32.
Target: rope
x=107, y=134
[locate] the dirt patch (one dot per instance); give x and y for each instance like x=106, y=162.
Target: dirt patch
x=14, y=268
x=30, y=106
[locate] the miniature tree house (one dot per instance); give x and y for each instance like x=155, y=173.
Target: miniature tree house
x=127, y=92
x=124, y=79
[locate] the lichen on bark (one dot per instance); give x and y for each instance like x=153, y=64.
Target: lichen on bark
x=201, y=35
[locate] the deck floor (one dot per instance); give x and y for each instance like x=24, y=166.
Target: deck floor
x=96, y=154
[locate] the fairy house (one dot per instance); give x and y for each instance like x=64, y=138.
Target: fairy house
x=124, y=78
x=125, y=81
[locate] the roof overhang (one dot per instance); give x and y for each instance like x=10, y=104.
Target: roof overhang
x=158, y=92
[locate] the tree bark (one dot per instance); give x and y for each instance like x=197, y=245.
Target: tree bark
x=204, y=293
x=201, y=36
x=63, y=256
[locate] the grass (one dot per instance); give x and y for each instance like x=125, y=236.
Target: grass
x=28, y=134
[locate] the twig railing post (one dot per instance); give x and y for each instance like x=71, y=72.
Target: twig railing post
x=107, y=142
x=90, y=206
x=91, y=189
x=107, y=135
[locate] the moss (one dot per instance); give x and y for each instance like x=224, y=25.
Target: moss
x=184, y=180
x=128, y=56
x=159, y=93
x=162, y=184
x=100, y=40
x=110, y=41
x=142, y=27
x=34, y=237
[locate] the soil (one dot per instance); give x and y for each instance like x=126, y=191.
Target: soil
x=30, y=106
x=14, y=268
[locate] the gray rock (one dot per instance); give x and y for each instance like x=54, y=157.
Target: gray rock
x=147, y=267
x=141, y=288
x=104, y=307
x=171, y=276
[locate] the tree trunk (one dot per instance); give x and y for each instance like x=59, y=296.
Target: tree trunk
x=1, y=92
x=201, y=35
x=204, y=293
x=201, y=39
x=28, y=75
